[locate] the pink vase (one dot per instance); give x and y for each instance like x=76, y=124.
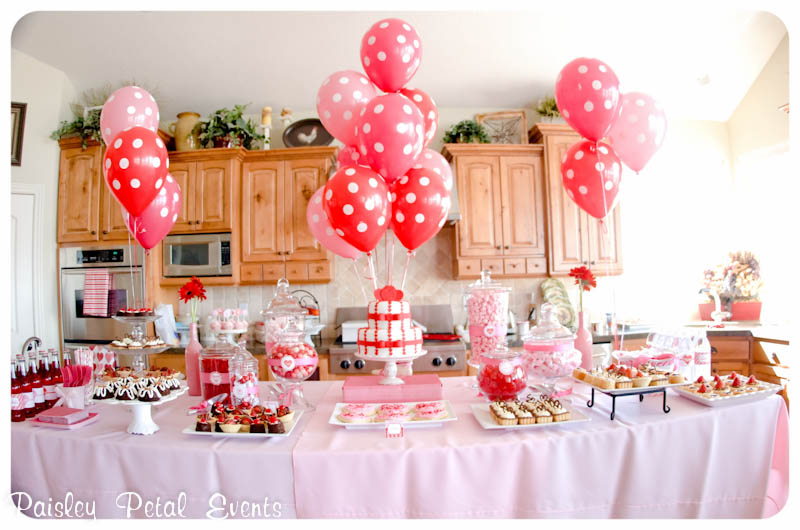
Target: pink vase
x=583, y=343
x=192, y=359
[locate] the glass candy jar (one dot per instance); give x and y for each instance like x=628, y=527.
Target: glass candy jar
x=487, y=314
x=502, y=374
x=291, y=361
x=549, y=349
x=245, y=377
x=216, y=371
x=283, y=310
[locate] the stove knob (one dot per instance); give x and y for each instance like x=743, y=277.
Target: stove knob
x=359, y=364
x=451, y=361
x=437, y=361
x=345, y=364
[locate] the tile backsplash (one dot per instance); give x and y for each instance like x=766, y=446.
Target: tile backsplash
x=429, y=281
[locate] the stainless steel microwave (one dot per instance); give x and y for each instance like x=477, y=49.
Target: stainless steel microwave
x=197, y=255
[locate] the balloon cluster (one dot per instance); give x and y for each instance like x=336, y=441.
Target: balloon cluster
x=588, y=97
x=136, y=165
x=387, y=179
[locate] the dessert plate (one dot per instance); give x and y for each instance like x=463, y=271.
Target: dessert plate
x=451, y=416
x=67, y=427
x=485, y=419
x=634, y=390
x=725, y=401
x=248, y=435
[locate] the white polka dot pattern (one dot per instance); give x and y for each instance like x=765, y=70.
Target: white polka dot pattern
x=342, y=96
x=591, y=180
x=423, y=198
x=587, y=95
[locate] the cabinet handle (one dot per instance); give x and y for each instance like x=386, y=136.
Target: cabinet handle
x=94, y=232
x=507, y=247
x=498, y=247
x=105, y=232
x=197, y=222
x=593, y=262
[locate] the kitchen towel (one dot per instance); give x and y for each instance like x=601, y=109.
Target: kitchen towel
x=95, y=292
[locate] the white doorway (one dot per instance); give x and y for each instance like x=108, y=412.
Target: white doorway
x=24, y=238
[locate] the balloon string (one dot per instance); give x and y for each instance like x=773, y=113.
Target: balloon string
x=389, y=257
x=360, y=280
x=405, y=269
x=609, y=243
x=130, y=270
x=372, y=271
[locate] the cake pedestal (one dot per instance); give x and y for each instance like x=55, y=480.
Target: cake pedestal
x=142, y=421
x=390, y=370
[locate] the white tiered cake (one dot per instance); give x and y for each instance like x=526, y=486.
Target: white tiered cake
x=389, y=333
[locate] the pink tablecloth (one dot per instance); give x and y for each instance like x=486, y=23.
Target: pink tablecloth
x=693, y=462
x=102, y=461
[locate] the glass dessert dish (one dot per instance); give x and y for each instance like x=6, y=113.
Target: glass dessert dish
x=283, y=310
x=291, y=361
x=502, y=375
x=487, y=314
x=549, y=352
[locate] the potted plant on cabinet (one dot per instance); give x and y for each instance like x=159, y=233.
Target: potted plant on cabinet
x=737, y=281
x=466, y=132
x=548, y=109
x=227, y=128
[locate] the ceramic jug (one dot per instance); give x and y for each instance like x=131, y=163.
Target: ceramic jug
x=182, y=131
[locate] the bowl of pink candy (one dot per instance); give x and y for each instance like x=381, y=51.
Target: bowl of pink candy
x=549, y=350
x=291, y=359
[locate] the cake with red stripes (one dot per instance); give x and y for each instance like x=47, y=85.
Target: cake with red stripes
x=389, y=332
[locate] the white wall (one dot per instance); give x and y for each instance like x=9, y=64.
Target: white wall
x=48, y=92
x=765, y=183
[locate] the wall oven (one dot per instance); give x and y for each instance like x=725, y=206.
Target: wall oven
x=78, y=328
x=197, y=255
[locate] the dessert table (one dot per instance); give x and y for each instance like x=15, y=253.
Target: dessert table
x=696, y=461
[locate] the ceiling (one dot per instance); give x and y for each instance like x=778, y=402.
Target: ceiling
x=202, y=60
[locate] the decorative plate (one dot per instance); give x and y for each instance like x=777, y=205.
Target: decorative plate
x=306, y=133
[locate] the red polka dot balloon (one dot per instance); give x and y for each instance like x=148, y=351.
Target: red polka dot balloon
x=420, y=204
x=157, y=219
x=428, y=109
x=639, y=130
x=348, y=156
x=591, y=175
x=356, y=201
x=432, y=160
x=340, y=100
x=390, y=135
x=134, y=166
x=587, y=95
x=391, y=53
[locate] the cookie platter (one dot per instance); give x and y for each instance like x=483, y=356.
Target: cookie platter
x=484, y=416
x=755, y=392
x=249, y=435
x=630, y=391
x=378, y=415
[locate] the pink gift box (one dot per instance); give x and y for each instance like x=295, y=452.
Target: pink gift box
x=63, y=415
x=365, y=389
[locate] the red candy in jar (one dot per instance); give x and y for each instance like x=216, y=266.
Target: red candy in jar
x=502, y=374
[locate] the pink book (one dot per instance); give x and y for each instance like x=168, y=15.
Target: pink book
x=365, y=389
x=63, y=415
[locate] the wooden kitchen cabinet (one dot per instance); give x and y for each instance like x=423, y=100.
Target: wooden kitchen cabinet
x=80, y=180
x=502, y=205
x=574, y=237
x=731, y=354
x=112, y=223
x=276, y=241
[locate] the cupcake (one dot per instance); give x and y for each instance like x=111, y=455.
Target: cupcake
x=275, y=426
x=524, y=416
x=555, y=408
x=125, y=393
x=659, y=379
x=676, y=378
x=257, y=426
x=622, y=382
x=641, y=379
x=542, y=415
x=230, y=426
x=502, y=414
x=285, y=415
x=202, y=424
x=149, y=394
x=103, y=392
x=244, y=424
x=605, y=382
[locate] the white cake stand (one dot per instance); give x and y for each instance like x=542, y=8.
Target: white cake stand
x=390, y=370
x=142, y=421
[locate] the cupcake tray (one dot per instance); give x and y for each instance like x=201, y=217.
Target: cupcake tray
x=248, y=435
x=484, y=417
x=451, y=416
x=726, y=401
x=641, y=391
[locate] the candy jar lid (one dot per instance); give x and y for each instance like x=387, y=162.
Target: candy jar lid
x=292, y=333
x=501, y=352
x=549, y=329
x=284, y=307
x=486, y=283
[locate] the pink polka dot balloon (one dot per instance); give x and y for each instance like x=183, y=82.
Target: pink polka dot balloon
x=155, y=222
x=130, y=106
x=348, y=156
x=587, y=95
x=340, y=100
x=427, y=107
x=322, y=230
x=639, y=130
x=356, y=201
x=420, y=204
x=135, y=165
x=432, y=160
x=390, y=135
x=591, y=172
x=390, y=53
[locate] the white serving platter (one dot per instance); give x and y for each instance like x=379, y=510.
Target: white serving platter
x=486, y=420
x=248, y=435
x=451, y=416
x=626, y=391
x=726, y=401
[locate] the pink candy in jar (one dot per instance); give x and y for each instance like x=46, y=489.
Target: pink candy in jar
x=487, y=311
x=549, y=348
x=294, y=361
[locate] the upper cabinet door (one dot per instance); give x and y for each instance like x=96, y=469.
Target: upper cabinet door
x=480, y=231
x=522, y=188
x=111, y=220
x=79, y=184
x=302, y=178
x=604, y=243
x=262, y=211
x=184, y=175
x=213, y=195
x=566, y=245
